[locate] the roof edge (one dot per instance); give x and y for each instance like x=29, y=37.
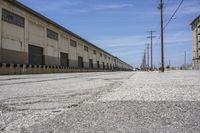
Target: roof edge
x=194, y=20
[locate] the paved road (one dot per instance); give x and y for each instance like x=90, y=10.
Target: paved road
x=101, y=102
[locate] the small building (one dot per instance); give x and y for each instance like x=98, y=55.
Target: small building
x=196, y=42
x=28, y=37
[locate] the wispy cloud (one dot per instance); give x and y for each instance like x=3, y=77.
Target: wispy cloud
x=52, y=5
x=180, y=37
x=68, y=6
x=140, y=40
x=110, y=42
x=188, y=8
x=191, y=8
x=113, y=6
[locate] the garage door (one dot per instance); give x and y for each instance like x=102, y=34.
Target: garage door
x=35, y=55
x=64, y=59
x=80, y=62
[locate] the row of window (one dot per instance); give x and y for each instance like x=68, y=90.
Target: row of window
x=20, y=21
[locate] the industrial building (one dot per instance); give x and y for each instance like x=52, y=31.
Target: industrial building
x=27, y=37
x=196, y=42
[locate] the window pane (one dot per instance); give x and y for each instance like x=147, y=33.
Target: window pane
x=51, y=34
x=12, y=18
x=73, y=43
x=86, y=48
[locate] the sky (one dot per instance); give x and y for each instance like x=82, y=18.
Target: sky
x=120, y=26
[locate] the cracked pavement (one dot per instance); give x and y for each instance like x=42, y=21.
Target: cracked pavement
x=114, y=102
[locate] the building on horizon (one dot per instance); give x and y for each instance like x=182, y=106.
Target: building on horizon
x=196, y=42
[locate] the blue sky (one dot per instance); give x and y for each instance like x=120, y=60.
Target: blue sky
x=120, y=26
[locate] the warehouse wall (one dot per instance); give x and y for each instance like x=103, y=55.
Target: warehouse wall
x=0, y=30
x=12, y=41
x=15, y=42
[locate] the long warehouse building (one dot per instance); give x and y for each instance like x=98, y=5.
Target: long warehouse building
x=27, y=37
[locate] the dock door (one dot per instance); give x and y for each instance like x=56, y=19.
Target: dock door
x=80, y=62
x=35, y=55
x=64, y=60
x=91, y=63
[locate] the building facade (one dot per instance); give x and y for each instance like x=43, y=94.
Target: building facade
x=196, y=42
x=28, y=37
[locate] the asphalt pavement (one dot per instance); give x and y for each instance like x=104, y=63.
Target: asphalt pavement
x=113, y=102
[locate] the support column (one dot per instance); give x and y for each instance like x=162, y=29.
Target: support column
x=0, y=30
x=45, y=44
x=26, y=38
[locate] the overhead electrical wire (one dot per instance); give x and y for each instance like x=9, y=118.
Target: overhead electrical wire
x=171, y=18
x=173, y=14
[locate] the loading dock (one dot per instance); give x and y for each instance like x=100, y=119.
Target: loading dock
x=98, y=65
x=107, y=66
x=91, y=64
x=103, y=65
x=35, y=55
x=64, y=59
x=80, y=62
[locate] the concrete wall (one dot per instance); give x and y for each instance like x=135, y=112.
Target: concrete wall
x=196, y=44
x=0, y=30
x=15, y=41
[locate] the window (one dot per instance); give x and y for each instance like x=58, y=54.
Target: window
x=100, y=54
x=105, y=56
x=86, y=48
x=95, y=52
x=12, y=18
x=73, y=43
x=51, y=34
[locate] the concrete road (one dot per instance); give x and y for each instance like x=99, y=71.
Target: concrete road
x=121, y=102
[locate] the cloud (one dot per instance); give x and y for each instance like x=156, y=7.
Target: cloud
x=187, y=8
x=139, y=41
x=123, y=41
x=180, y=37
x=113, y=6
x=52, y=6
x=73, y=7
x=131, y=48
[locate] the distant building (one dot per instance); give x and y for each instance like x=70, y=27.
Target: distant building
x=28, y=37
x=196, y=42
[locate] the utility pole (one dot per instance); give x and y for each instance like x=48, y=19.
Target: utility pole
x=185, y=58
x=147, y=56
x=162, y=36
x=151, y=43
x=143, y=66
x=145, y=61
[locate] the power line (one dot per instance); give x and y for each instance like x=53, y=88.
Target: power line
x=173, y=14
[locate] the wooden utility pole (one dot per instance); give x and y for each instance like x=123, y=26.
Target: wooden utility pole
x=147, y=56
x=185, y=62
x=151, y=43
x=162, y=37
